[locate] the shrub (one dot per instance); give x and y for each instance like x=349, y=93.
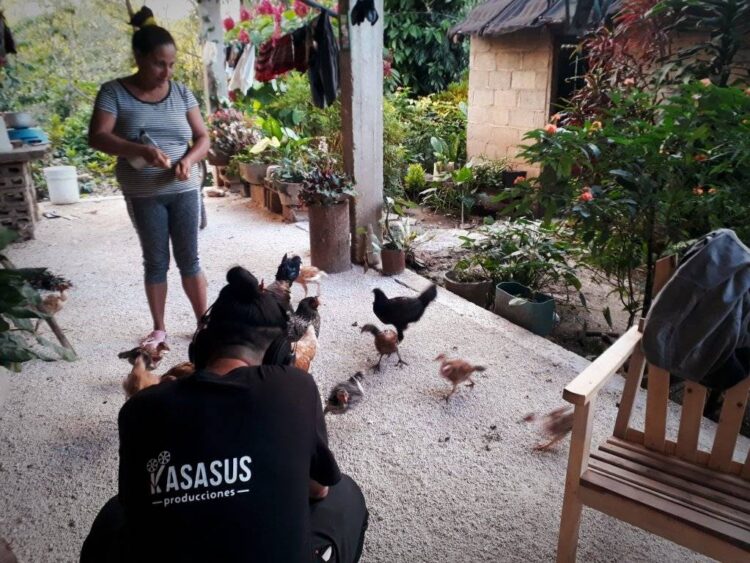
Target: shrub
x=415, y=180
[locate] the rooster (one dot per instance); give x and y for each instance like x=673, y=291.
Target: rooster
x=286, y=273
x=345, y=395
x=555, y=425
x=457, y=371
x=401, y=311
x=386, y=343
x=310, y=275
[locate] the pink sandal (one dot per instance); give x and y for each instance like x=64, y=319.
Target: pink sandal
x=155, y=343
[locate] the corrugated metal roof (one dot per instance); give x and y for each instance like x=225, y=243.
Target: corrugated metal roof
x=499, y=17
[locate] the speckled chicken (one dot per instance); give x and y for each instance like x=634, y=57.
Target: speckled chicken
x=386, y=343
x=306, y=314
x=457, y=371
x=345, y=395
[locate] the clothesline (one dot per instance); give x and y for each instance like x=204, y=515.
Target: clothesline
x=320, y=7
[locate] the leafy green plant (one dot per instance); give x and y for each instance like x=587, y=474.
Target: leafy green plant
x=397, y=233
x=415, y=180
x=19, y=303
x=423, y=54
x=524, y=251
x=325, y=185
x=488, y=174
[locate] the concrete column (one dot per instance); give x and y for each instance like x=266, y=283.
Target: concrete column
x=361, y=70
x=212, y=31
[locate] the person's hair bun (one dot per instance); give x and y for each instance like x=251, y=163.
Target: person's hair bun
x=141, y=17
x=243, y=284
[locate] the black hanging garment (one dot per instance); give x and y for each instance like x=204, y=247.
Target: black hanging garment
x=7, y=45
x=324, y=63
x=364, y=10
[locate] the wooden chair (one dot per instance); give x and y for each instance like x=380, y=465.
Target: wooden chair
x=695, y=498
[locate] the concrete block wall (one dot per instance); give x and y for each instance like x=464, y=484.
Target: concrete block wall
x=510, y=83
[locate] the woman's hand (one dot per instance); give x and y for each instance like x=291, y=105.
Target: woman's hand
x=182, y=170
x=155, y=157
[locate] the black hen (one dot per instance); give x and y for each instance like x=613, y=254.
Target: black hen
x=345, y=395
x=401, y=311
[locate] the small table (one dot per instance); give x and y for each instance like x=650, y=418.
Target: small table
x=18, y=205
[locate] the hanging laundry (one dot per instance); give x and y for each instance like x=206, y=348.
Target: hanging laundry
x=7, y=44
x=290, y=52
x=244, y=71
x=324, y=63
x=364, y=10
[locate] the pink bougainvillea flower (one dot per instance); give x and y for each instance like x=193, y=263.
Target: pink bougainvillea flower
x=245, y=14
x=301, y=9
x=586, y=196
x=550, y=128
x=265, y=8
x=233, y=95
x=387, y=68
x=244, y=36
x=628, y=82
x=706, y=82
x=228, y=23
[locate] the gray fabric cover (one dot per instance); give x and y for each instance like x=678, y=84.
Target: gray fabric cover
x=698, y=327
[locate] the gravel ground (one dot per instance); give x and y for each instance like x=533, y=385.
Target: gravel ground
x=444, y=482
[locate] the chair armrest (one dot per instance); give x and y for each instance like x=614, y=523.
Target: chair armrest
x=590, y=380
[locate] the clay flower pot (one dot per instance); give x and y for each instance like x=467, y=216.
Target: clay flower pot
x=393, y=261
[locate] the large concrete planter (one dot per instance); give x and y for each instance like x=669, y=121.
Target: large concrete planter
x=329, y=237
x=536, y=315
x=253, y=173
x=393, y=261
x=288, y=192
x=217, y=158
x=477, y=292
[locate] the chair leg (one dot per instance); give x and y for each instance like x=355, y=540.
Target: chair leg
x=570, y=520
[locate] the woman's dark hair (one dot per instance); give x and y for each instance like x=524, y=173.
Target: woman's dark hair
x=242, y=316
x=148, y=35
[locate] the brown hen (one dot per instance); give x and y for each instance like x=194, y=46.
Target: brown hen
x=386, y=343
x=457, y=371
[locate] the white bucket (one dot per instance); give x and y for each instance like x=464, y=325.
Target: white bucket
x=62, y=183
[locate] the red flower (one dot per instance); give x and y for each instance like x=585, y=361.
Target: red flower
x=244, y=36
x=586, y=195
x=700, y=157
x=265, y=8
x=301, y=9
x=387, y=68
x=550, y=128
x=519, y=180
x=228, y=23
x=233, y=95
x=245, y=14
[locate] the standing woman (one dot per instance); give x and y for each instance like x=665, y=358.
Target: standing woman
x=160, y=181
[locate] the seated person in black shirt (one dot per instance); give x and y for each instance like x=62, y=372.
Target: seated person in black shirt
x=231, y=463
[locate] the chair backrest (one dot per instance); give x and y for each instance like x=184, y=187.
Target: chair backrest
x=654, y=433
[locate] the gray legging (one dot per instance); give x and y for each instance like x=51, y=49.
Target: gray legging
x=160, y=218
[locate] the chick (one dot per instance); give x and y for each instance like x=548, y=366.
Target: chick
x=310, y=275
x=345, y=395
x=555, y=425
x=51, y=305
x=386, y=343
x=140, y=376
x=457, y=371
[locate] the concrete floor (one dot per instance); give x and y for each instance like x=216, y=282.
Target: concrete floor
x=444, y=482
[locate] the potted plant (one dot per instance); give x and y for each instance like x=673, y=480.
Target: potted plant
x=326, y=192
x=230, y=131
x=469, y=280
x=397, y=238
x=255, y=160
x=525, y=260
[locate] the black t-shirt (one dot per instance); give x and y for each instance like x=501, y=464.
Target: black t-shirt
x=217, y=468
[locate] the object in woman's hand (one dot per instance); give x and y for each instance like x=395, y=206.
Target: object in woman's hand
x=140, y=162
